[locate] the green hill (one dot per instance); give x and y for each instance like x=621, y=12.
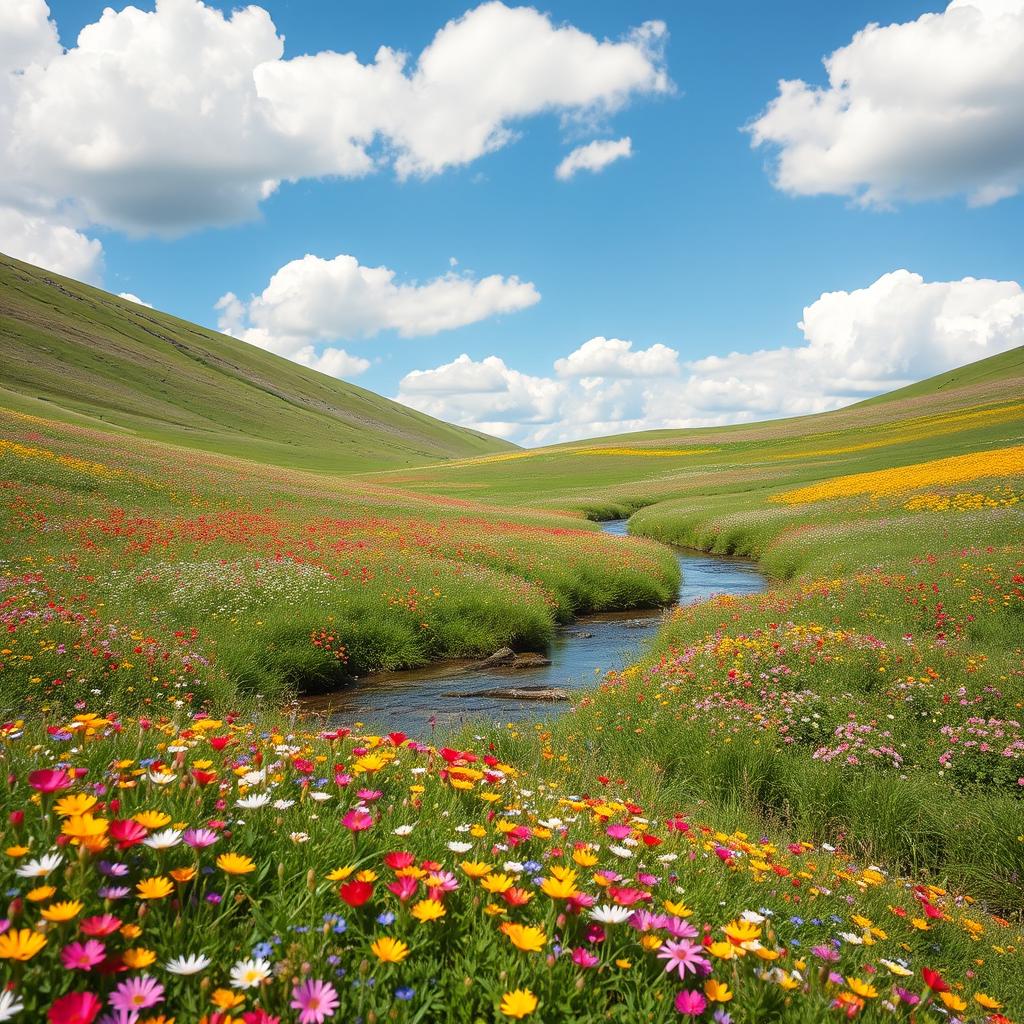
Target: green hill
x=76, y=353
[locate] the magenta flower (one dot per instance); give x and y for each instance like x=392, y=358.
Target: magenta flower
x=680, y=929
x=369, y=794
x=137, y=994
x=317, y=1000
x=83, y=956
x=583, y=957
x=690, y=1004
x=357, y=820
x=49, y=780
x=683, y=956
x=198, y=838
x=74, y=1008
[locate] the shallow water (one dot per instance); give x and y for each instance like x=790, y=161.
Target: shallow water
x=415, y=701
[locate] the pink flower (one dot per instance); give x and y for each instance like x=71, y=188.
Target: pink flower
x=74, y=1008
x=369, y=794
x=583, y=957
x=618, y=831
x=83, y=956
x=316, y=999
x=683, y=956
x=49, y=780
x=137, y=994
x=357, y=820
x=101, y=924
x=127, y=832
x=198, y=838
x=690, y=1004
x=404, y=888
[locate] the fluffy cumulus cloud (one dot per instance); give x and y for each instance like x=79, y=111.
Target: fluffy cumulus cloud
x=919, y=110
x=47, y=242
x=859, y=343
x=311, y=301
x=131, y=297
x=594, y=156
x=165, y=120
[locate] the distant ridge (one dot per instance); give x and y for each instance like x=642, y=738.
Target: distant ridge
x=70, y=351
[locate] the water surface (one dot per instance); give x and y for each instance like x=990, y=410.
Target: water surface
x=416, y=700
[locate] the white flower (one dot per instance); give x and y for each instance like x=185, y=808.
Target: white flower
x=253, y=778
x=164, y=839
x=829, y=847
x=513, y=867
x=192, y=964
x=283, y=805
x=419, y=770
x=161, y=778
x=40, y=867
x=299, y=837
x=752, y=916
x=403, y=830
x=896, y=968
x=550, y=823
x=621, y=851
x=667, y=858
x=249, y=973
x=608, y=914
x=250, y=803
x=460, y=847
x=851, y=938
x=10, y=1005
x=319, y=794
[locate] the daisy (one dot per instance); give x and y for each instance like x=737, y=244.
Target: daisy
x=683, y=956
x=83, y=956
x=251, y=803
x=608, y=914
x=163, y=840
x=457, y=847
x=137, y=994
x=317, y=1000
x=283, y=805
x=250, y=973
x=10, y=1005
x=198, y=838
x=40, y=867
x=185, y=965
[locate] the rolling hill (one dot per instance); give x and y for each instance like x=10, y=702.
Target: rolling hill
x=76, y=353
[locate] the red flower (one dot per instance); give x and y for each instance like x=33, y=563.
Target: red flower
x=127, y=832
x=934, y=980
x=398, y=738
x=355, y=894
x=49, y=780
x=74, y=1008
x=399, y=859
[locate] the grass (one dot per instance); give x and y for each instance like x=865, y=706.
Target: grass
x=821, y=781
x=75, y=353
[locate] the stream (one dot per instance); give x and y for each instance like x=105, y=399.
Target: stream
x=416, y=700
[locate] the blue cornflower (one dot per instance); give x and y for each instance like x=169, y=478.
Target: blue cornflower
x=404, y=994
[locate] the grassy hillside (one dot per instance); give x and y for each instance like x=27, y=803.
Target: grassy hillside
x=72, y=352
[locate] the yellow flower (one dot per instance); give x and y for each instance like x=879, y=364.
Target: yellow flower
x=136, y=958
x=391, y=951
x=75, y=803
x=16, y=851
x=894, y=968
x=740, y=931
x=21, y=945
x=953, y=1001
x=225, y=999
x=650, y=942
x=84, y=827
x=340, y=874
x=428, y=910
x=678, y=909
x=862, y=988
x=624, y=964
x=40, y=893
x=724, y=950
x=585, y=858
x=519, y=1003
x=235, y=863
x=154, y=888
x=764, y=953
x=59, y=912
x=152, y=819
x=183, y=875
x=525, y=937
x=717, y=991
x=475, y=868
x=130, y=931
x=497, y=883
x=987, y=1001
x=560, y=888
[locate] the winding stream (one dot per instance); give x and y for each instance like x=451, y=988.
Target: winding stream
x=415, y=700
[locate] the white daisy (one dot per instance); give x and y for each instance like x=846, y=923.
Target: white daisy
x=620, y=851
x=250, y=803
x=253, y=778
x=460, y=847
x=752, y=916
x=10, y=1005
x=513, y=867
x=192, y=964
x=403, y=830
x=40, y=867
x=283, y=805
x=607, y=914
x=299, y=837
x=319, y=794
x=249, y=973
x=164, y=839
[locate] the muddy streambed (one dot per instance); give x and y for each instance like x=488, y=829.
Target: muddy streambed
x=416, y=700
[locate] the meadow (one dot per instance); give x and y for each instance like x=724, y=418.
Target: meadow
x=799, y=806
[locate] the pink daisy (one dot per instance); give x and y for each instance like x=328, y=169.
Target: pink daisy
x=137, y=994
x=316, y=999
x=83, y=956
x=683, y=956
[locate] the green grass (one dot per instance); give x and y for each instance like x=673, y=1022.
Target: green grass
x=72, y=352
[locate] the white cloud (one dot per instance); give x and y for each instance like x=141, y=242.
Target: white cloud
x=181, y=117
x=312, y=300
x=856, y=344
x=134, y=298
x=46, y=242
x=594, y=156
x=912, y=111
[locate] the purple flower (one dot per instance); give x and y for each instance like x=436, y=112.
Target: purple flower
x=113, y=892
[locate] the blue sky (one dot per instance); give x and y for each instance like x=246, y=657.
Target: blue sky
x=688, y=243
